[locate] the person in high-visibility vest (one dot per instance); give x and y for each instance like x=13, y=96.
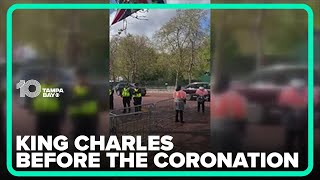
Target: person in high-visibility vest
x=180, y=100
x=83, y=109
x=293, y=100
x=137, y=97
x=111, y=92
x=49, y=111
x=228, y=117
x=201, y=97
x=126, y=95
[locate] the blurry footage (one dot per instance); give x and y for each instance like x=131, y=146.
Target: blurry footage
x=66, y=52
x=247, y=90
x=264, y=106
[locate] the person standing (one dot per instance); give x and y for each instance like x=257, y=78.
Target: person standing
x=228, y=117
x=180, y=100
x=201, y=97
x=137, y=97
x=83, y=109
x=49, y=111
x=111, y=92
x=126, y=98
x=293, y=101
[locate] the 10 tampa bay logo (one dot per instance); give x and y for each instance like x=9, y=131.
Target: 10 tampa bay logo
x=24, y=87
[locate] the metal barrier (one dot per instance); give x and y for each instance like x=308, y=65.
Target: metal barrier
x=133, y=109
x=133, y=123
x=163, y=115
x=155, y=118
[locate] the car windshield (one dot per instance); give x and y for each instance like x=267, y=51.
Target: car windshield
x=197, y=85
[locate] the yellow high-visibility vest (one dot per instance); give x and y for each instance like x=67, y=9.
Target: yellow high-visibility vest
x=136, y=93
x=42, y=104
x=125, y=92
x=87, y=107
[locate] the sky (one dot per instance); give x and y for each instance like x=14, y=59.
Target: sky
x=155, y=19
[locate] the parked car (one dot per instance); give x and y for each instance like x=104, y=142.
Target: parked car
x=191, y=89
x=118, y=88
x=263, y=87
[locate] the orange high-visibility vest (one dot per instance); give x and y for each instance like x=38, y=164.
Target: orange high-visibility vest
x=203, y=92
x=293, y=98
x=179, y=94
x=229, y=105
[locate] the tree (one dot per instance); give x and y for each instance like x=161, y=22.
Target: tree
x=197, y=34
x=132, y=56
x=179, y=35
x=114, y=46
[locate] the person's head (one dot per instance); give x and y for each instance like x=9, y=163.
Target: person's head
x=201, y=88
x=136, y=84
x=178, y=88
x=222, y=84
x=298, y=83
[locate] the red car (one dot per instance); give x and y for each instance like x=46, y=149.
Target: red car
x=263, y=87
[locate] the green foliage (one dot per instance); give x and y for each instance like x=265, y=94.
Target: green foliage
x=183, y=37
x=250, y=37
x=178, y=53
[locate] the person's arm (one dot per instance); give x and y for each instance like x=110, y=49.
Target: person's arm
x=284, y=104
x=197, y=92
x=282, y=99
x=184, y=97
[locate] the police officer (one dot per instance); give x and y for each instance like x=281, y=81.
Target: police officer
x=293, y=101
x=111, y=92
x=84, y=106
x=137, y=97
x=228, y=117
x=126, y=95
x=49, y=111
